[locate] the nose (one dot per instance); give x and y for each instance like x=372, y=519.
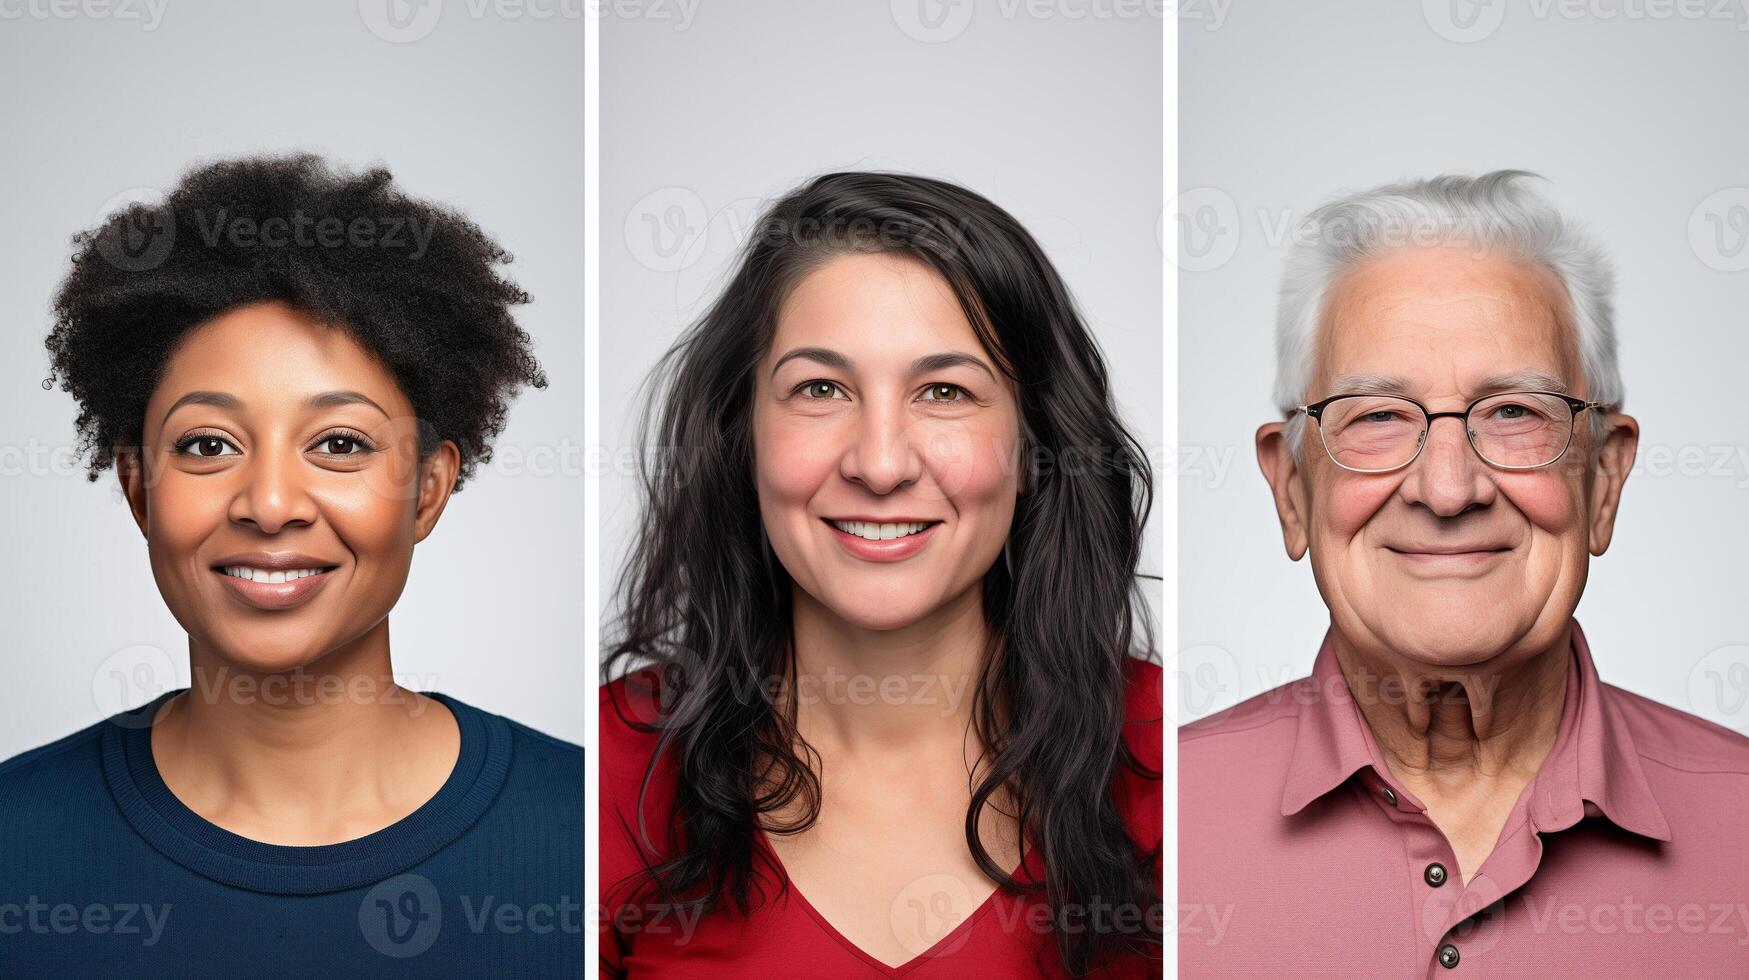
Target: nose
x=1448, y=477
x=882, y=455
x=272, y=494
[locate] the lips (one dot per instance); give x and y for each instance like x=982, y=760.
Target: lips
x=274, y=581
x=882, y=539
x=1450, y=560
x=1448, y=549
x=880, y=529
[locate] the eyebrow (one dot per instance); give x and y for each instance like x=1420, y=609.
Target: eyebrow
x=922, y=365
x=1385, y=384
x=220, y=399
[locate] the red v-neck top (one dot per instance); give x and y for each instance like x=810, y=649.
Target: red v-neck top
x=786, y=937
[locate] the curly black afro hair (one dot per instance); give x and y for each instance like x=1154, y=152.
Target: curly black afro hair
x=413, y=282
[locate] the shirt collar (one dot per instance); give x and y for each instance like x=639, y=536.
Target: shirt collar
x=1593, y=760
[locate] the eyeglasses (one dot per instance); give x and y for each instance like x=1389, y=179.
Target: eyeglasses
x=1513, y=430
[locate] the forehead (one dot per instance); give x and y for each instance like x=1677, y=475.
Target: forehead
x=867, y=304
x=1445, y=318
x=271, y=350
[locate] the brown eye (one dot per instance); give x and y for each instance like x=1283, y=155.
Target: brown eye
x=343, y=445
x=943, y=393
x=205, y=447
x=820, y=389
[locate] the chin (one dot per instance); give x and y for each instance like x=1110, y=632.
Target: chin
x=1449, y=635
x=267, y=655
x=880, y=620
x=871, y=610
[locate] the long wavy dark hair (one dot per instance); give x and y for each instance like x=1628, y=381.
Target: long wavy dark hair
x=707, y=605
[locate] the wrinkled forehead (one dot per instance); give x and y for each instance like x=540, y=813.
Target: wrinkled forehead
x=1446, y=323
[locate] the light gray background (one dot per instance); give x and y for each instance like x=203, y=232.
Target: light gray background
x=480, y=112
x=1638, y=124
x=1057, y=120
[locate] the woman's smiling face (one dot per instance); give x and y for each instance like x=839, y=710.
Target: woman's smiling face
x=275, y=440
x=885, y=441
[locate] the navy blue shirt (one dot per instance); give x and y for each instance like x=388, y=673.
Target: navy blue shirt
x=104, y=872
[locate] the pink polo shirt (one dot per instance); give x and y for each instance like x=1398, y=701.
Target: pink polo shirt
x=1301, y=855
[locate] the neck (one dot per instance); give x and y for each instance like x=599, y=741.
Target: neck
x=896, y=687
x=1450, y=727
x=313, y=748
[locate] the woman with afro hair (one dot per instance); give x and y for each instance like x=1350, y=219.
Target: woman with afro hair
x=290, y=369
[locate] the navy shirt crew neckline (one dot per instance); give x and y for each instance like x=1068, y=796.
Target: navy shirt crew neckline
x=187, y=838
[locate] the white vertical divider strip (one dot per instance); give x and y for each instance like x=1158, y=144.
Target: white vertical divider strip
x=591, y=177
x=1168, y=496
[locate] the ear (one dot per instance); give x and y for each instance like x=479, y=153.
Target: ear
x=130, y=471
x=436, y=483
x=1615, y=459
x=1277, y=462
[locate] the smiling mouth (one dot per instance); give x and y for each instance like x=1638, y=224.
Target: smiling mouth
x=1447, y=553
x=272, y=576
x=871, y=531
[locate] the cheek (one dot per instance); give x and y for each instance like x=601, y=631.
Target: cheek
x=373, y=509
x=1550, y=504
x=376, y=528
x=975, y=470
x=1347, y=505
x=182, y=511
x=792, y=458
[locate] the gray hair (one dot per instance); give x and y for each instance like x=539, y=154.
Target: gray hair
x=1494, y=210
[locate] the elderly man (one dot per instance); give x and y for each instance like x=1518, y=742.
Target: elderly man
x=1452, y=791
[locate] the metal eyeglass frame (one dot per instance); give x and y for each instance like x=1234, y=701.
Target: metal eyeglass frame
x=1577, y=405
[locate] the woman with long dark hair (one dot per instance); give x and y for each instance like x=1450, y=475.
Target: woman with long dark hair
x=876, y=704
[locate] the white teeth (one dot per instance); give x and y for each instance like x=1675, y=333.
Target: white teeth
x=276, y=576
x=880, y=532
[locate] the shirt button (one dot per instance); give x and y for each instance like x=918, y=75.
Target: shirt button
x=1435, y=874
x=1390, y=797
x=1448, y=956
